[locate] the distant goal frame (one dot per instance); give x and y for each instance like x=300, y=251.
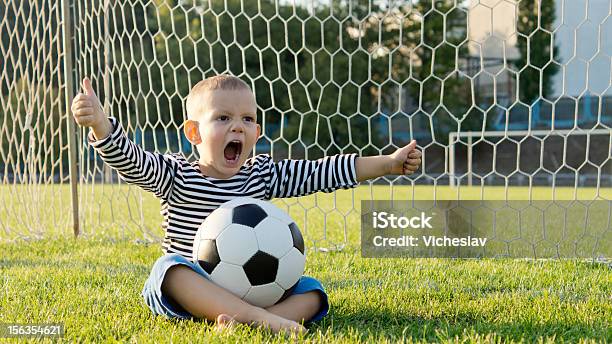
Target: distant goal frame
x=455, y=137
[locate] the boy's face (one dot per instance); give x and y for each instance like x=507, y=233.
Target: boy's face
x=224, y=131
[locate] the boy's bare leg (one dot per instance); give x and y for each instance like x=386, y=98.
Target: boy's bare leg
x=298, y=307
x=204, y=299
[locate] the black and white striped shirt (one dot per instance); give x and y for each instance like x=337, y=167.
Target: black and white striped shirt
x=187, y=197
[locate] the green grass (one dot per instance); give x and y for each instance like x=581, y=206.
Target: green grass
x=92, y=284
x=121, y=211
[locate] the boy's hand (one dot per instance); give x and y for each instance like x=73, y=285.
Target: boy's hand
x=405, y=160
x=87, y=111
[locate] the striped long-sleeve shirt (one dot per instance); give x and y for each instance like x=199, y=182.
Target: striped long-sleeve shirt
x=187, y=197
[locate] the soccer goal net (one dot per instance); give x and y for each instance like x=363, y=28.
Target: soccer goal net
x=329, y=77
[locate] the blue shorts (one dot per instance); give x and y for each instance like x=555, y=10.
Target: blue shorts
x=160, y=305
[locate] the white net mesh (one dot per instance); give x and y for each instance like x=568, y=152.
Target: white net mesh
x=33, y=120
x=329, y=77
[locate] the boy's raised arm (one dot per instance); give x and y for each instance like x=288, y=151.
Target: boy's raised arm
x=291, y=178
x=151, y=171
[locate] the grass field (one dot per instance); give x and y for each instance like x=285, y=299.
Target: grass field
x=126, y=212
x=92, y=284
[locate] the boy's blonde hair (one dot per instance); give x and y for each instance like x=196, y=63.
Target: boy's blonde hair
x=217, y=82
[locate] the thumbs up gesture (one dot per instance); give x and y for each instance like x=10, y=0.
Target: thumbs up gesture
x=87, y=111
x=405, y=160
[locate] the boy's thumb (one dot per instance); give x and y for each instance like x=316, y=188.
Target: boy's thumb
x=410, y=147
x=89, y=91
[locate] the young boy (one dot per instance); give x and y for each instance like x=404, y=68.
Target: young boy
x=222, y=124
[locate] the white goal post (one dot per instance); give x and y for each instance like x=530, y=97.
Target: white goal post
x=456, y=137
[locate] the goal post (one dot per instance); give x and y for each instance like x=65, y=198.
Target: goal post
x=519, y=135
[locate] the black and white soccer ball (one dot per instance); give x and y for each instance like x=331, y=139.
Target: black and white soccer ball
x=251, y=248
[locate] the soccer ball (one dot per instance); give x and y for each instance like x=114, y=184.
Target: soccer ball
x=251, y=248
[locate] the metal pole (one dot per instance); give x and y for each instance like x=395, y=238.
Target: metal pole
x=451, y=159
x=469, y=159
x=107, y=59
x=72, y=132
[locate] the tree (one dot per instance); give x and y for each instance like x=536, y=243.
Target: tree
x=32, y=104
x=443, y=92
x=324, y=78
x=375, y=71
x=33, y=136
x=537, y=49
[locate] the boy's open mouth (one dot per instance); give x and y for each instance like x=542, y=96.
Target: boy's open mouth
x=232, y=151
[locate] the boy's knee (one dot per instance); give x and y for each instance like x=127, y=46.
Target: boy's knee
x=171, y=282
x=315, y=299
x=172, y=278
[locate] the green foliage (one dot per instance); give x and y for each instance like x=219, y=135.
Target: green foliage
x=33, y=130
x=444, y=93
x=325, y=80
x=33, y=140
x=538, y=50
